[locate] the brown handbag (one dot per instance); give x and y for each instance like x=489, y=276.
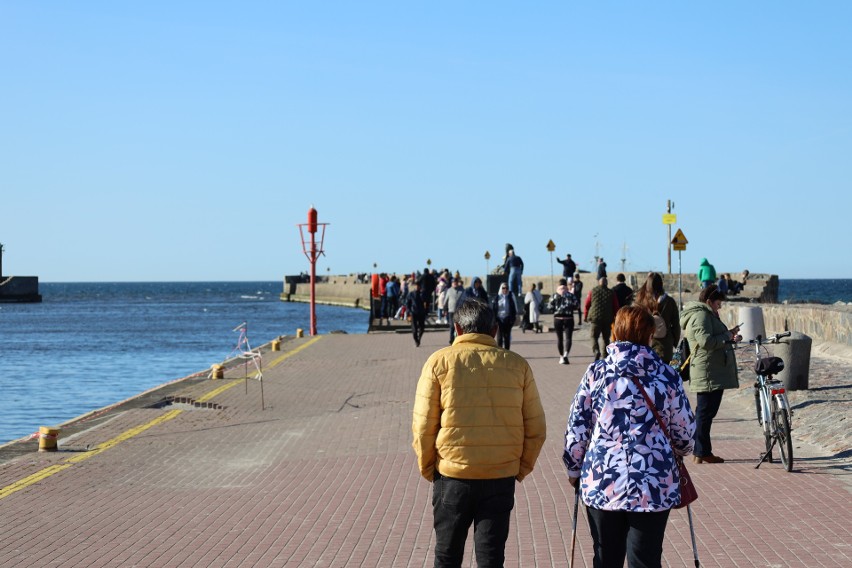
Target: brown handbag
x=688, y=494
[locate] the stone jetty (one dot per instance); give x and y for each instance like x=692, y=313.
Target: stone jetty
x=317, y=470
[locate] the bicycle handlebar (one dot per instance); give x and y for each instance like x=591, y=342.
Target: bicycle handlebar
x=771, y=339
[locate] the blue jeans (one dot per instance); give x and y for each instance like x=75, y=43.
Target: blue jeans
x=452, y=327
x=638, y=536
x=705, y=411
x=456, y=503
x=515, y=281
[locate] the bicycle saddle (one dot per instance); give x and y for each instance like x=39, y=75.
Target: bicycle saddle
x=769, y=366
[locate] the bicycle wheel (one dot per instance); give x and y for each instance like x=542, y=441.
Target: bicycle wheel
x=782, y=431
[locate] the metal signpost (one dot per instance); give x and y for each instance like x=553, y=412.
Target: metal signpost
x=551, y=247
x=679, y=244
x=669, y=219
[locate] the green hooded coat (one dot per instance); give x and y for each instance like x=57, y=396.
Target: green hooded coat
x=713, y=365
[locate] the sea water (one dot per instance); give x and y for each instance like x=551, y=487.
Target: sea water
x=89, y=345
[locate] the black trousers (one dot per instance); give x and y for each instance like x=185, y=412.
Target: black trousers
x=638, y=536
x=418, y=325
x=564, y=334
x=456, y=503
x=705, y=411
x=504, y=336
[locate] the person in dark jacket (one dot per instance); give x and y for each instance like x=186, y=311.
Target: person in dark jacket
x=569, y=267
x=622, y=291
x=713, y=366
x=428, y=283
x=514, y=267
x=577, y=289
x=601, y=269
x=562, y=304
x=505, y=311
x=601, y=305
x=416, y=308
x=476, y=290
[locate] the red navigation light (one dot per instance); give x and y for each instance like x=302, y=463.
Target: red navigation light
x=312, y=220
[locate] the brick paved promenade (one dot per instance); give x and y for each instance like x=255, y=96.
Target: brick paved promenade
x=325, y=476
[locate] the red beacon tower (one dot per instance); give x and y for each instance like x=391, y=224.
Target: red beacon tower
x=313, y=250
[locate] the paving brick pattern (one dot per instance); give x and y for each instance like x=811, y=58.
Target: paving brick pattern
x=325, y=476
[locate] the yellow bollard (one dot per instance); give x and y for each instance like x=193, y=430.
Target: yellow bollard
x=276, y=345
x=300, y=332
x=217, y=372
x=47, y=438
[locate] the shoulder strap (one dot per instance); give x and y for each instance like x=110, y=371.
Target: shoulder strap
x=650, y=404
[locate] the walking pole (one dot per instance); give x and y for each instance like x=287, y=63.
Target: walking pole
x=574, y=529
x=691, y=534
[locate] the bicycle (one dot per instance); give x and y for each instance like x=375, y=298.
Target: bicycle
x=770, y=399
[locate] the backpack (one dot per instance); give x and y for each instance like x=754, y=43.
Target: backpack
x=680, y=359
x=660, y=327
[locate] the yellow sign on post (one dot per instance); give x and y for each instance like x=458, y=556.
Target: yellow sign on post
x=669, y=219
x=551, y=246
x=679, y=241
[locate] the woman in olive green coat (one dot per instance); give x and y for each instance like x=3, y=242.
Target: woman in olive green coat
x=713, y=366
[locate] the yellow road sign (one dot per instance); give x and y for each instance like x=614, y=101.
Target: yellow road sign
x=669, y=219
x=679, y=241
x=551, y=246
x=487, y=255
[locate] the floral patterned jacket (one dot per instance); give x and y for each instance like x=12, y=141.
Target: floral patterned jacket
x=614, y=443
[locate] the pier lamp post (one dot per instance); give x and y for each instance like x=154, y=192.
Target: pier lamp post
x=313, y=250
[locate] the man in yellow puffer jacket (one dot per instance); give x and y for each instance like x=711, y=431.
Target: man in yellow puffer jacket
x=478, y=427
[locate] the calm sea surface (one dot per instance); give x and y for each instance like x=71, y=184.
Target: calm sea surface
x=87, y=346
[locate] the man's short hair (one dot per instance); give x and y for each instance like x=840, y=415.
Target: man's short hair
x=474, y=316
x=563, y=281
x=620, y=277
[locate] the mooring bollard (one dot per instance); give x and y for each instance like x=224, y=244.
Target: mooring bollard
x=217, y=371
x=300, y=332
x=276, y=345
x=796, y=352
x=47, y=438
x=752, y=319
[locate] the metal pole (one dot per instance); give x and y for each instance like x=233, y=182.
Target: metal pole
x=574, y=529
x=692, y=535
x=552, y=286
x=679, y=281
x=313, y=284
x=669, y=240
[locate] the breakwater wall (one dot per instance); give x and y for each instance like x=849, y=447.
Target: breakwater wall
x=19, y=289
x=830, y=325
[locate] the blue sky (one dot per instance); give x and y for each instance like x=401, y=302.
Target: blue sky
x=186, y=140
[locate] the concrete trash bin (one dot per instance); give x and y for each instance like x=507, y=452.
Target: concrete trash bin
x=796, y=352
x=752, y=319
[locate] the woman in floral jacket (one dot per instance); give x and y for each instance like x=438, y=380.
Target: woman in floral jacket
x=616, y=450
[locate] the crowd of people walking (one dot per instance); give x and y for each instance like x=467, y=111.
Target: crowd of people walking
x=630, y=403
